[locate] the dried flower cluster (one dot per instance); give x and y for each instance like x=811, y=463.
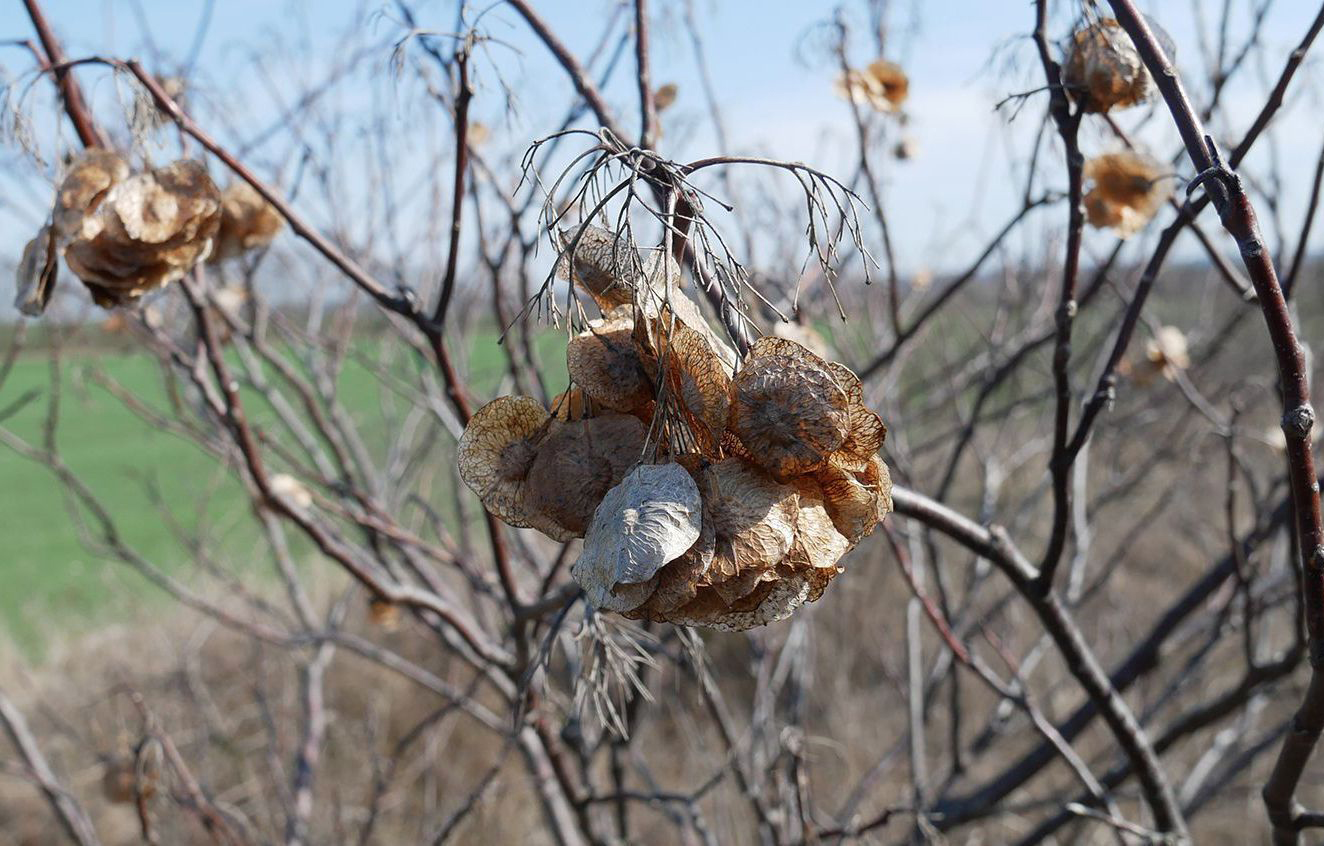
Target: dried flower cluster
x=125, y=234
x=881, y=85
x=707, y=493
x=1126, y=190
x=1104, y=69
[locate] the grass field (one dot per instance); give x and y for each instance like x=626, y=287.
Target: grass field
x=51, y=581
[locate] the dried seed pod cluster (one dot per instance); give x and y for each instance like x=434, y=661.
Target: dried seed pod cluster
x=1126, y=190
x=881, y=85
x=1104, y=70
x=706, y=494
x=248, y=222
x=125, y=234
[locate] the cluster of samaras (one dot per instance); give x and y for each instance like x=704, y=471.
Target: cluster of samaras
x=124, y=234
x=709, y=491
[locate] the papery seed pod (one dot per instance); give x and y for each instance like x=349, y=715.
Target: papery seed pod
x=818, y=543
x=651, y=518
x=291, y=489
x=496, y=454
x=36, y=274
x=882, y=86
x=770, y=602
x=856, y=502
x=121, y=783
x=148, y=231
x=603, y=362
x=577, y=463
x=1166, y=353
x=1127, y=190
x=865, y=431
x=1104, y=68
x=384, y=613
x=86, y=181
x=691, y=377
x=788, y=408
x=753, y=517
x=248, y=222
x=665, y=96
x=571, y=404
x=604, y=263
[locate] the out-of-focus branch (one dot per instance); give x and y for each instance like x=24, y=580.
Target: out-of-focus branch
x=71, y=95
x=67, y=810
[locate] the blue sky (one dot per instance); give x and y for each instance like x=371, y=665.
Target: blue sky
x=963, y=56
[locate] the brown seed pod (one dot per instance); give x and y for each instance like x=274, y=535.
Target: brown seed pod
x=1128, y=189
x=384, y=613
x=788, y=408
x=649, y=519
x=665, y=96
x=603, y=362
x=770, y=602
x=577, y=463
x=495, y=456
x=865, y=430
x=753, y=518
x=693, y=379
x=1104, y=67
x=571, y=404
x=248, y=221
x=856, y=502
x=882, y=86
x=85, y=184
x=148, y=231
x=604, y=263
x=36, y=274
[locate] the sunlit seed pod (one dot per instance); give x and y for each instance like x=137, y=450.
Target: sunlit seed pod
x=577, y=463
x=771, y=602
x=752, y=515
x=571, y=404
x=882, y=86
x=292, y=490
x=121, y=784
x=665, y=96
x=604, y=263
x=384, y=613
x=678, y=582
x=603, y=362
x=864, y=437
x=495, y=455
x=1126, y=190
x=1104, y=68
x=788, y=408
x=651, y=518
x=149, y=230
x=85, y=183
x=248, y=222
x=856, y=502
x=680, y=362
x=1167, y=352
x=818, y=543
x=36, y=274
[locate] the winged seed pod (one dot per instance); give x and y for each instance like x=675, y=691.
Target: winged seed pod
x=248, y=221
x=604, y=263
x=753, y=518
x=603, y=362
x=1128, y=190
x=36, y=273
x=1166, y=354
x=1103, y=65
x=680, y=360
x=651, y=518
x=84, y=186
x=577, y=463
x=787, y=408
x=856, y=502
x=148, y=231
x=882, y=86
x=496, y=453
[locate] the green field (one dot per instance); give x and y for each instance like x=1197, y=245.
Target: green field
x=148, y=479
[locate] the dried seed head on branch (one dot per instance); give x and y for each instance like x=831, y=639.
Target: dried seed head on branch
x=1127, y=190
x=1104, y=70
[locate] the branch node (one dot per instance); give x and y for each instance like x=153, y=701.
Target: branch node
x=1298, y=422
